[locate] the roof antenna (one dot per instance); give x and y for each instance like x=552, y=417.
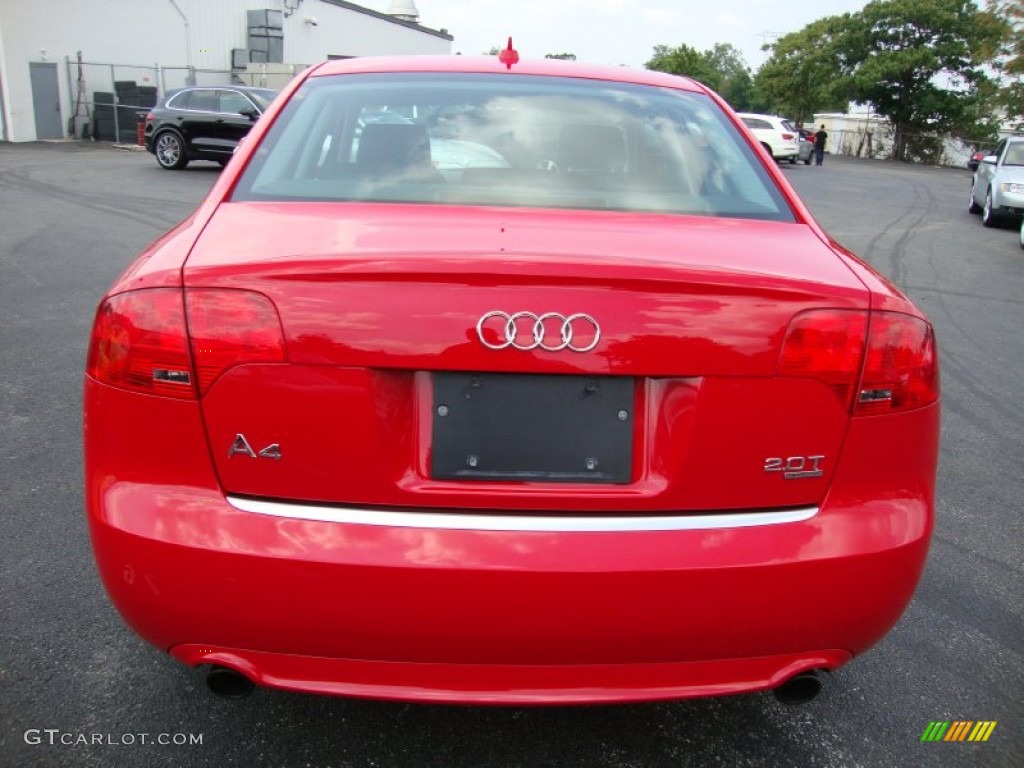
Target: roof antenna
x=509, y=56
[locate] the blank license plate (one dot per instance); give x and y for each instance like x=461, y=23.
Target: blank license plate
x=568, y=429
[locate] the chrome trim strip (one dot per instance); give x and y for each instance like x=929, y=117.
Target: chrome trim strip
x=458, y=521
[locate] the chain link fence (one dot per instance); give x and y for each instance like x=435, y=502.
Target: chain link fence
x=878, y=142
x=107, y=98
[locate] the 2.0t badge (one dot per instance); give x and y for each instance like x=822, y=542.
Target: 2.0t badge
x=795, y=467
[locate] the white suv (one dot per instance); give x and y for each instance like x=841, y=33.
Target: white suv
x=776, y=134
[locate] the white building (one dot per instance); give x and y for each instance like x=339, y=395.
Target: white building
x=168, y=43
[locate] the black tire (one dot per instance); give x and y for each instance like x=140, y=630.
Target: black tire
x=1022, y=234
x=808, y=160
x=973, y=207
x=169, y=148
x=792, y=160
x=989, y=218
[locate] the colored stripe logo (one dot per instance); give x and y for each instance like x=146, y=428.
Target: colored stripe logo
x=958, y=730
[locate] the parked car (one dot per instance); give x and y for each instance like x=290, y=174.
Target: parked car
x=975, y=158
x=777, y=135
x=997, y=188
x=605, y=416
x=806, y=148
x=203, y=123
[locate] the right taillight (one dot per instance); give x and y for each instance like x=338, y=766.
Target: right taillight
x=875, y=362
x=827, y=345
x=901, y=369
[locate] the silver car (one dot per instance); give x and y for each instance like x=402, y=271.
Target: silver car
x=997, y=190
x=806, y=148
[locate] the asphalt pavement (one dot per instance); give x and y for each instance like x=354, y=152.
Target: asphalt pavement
x=78, y=688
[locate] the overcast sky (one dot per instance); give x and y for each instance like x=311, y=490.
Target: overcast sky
x=618, y=31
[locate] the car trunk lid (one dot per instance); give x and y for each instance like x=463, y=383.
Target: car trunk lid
x=390, y=312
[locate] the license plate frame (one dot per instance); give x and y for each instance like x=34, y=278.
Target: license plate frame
x=533, y=427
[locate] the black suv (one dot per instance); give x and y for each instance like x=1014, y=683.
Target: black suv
x=203, y=123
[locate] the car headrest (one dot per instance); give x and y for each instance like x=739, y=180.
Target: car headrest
x=394, y=146
x=587, y=147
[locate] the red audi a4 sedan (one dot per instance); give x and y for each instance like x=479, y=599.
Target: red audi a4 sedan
x=509, y=382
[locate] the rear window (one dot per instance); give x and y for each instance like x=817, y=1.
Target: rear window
x=509, y=140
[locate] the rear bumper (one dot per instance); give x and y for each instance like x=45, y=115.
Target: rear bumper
x=432, y=612
x=511, y=684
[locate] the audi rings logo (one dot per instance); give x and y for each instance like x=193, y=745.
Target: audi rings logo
x=550, y=331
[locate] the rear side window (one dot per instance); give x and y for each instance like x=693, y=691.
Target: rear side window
x=756, y=125
x=509, y=140
x=180, y=100
x=204, y=101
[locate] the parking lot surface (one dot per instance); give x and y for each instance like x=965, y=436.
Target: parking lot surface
x=78, y=688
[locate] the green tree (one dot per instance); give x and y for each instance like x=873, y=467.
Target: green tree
x=919, y=63
x=808, y=70
x=684, y=61
x=722, y=69
x=1010, y=13
x=735, y=85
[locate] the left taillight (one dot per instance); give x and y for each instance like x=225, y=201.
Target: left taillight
x=139, y=342
x=229, y=328
x=162, y=342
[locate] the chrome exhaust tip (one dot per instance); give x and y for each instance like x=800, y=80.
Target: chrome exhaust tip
x=799, y=689
x=228, y=684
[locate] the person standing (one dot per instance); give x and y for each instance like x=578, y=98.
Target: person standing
x=819, y=144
